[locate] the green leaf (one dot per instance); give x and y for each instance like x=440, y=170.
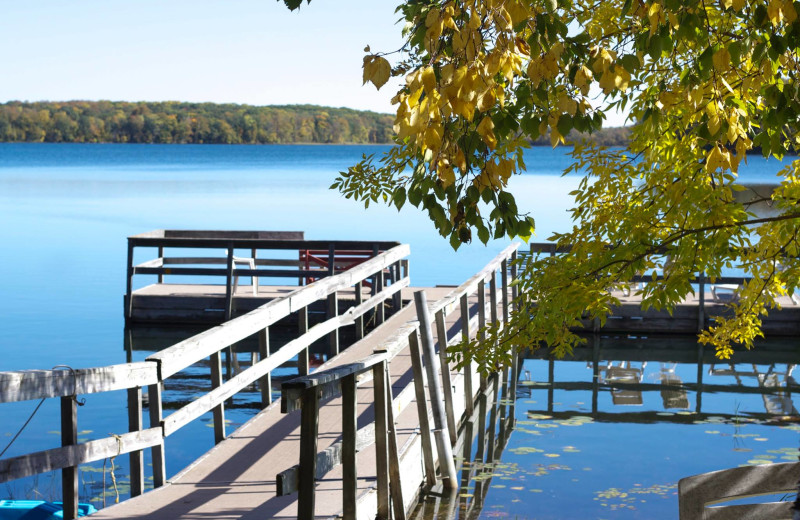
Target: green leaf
x=293, y=4
x=399, y=197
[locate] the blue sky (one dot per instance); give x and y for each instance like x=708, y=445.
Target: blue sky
x=235, y=51
x=240, y=51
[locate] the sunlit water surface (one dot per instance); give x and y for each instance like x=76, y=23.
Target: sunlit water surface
x=67, y=210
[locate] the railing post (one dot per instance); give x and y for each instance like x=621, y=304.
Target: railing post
x=422, y=409
x=493, y=297
x=504, y=285
x=360, y=318
x=228, y=284
x=482, y=321
x=69, y=476
x=469, y=392
x=302, y=328
x=161, y=256
x=309, y=425
x=157, y=451
x=129, y=283
x=446, y=463
x=333, y=312
x=447, y=385
x=395, y=486
x=701, y=318
x=397, y=298
x=265, y=383
x=514, y=274
x=349, y=428
x=134, y=425
x=379, y=277
x=219, y=410
x=381, y=440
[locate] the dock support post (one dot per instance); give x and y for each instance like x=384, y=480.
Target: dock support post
x=129, y=284
x=381, y=440
x=157, y=451
x=134, y=425
x=469, y=392
x=493, y=418
x=349, y=428
x=447, y=385
x=265, y=383
x=228, y=284
x=360, y=319
x=219, y=410
x=69, y=476
x=445, y=450
x=422, y=409
x=309, y=426
x=302, y=328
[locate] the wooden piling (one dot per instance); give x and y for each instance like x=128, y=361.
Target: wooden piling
x=69, y=475
x=434, y=387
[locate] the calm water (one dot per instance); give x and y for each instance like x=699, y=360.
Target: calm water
x=67, y=210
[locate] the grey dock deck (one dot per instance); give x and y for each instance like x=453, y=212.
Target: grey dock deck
x=236, y=478
x=691, y=315
x=203, y=303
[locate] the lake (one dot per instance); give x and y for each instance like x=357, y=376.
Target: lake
x=66, y=213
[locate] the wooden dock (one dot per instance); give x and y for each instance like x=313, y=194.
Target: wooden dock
x=392, y=388
x=212, y=276
x=260, y=469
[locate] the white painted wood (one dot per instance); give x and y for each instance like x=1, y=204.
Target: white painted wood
x=24, y=385
x=67, y=456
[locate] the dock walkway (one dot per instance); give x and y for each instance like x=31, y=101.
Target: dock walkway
x=236, y=478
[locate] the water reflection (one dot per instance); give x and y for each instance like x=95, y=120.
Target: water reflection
x=609, y=431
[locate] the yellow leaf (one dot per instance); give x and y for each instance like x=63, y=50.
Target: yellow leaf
x=717, y=158
x=428, y=79
x=377, y=70
x=722, y=60
x=774, y=11
x=486, y=101
x=486, y=131
x=583, y=79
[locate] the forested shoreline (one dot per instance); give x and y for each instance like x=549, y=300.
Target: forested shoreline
x=188, y=123
x=208, y=123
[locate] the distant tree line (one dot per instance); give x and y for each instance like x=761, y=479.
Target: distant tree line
x=613, y=136
x=176, y=122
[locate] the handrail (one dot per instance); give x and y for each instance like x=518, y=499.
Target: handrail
x=306, y=392
x=25, y=385
x=66, y=384
x=229, y=241
x=192, y=350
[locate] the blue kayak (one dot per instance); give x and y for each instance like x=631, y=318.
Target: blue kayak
x=38, y=510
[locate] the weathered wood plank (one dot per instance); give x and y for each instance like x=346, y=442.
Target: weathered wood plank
x=66, y=456
x=69, y=474
x=136, y=458
x=349, y=431
x=309, y=426
x=24, y=385
x=327, y=382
